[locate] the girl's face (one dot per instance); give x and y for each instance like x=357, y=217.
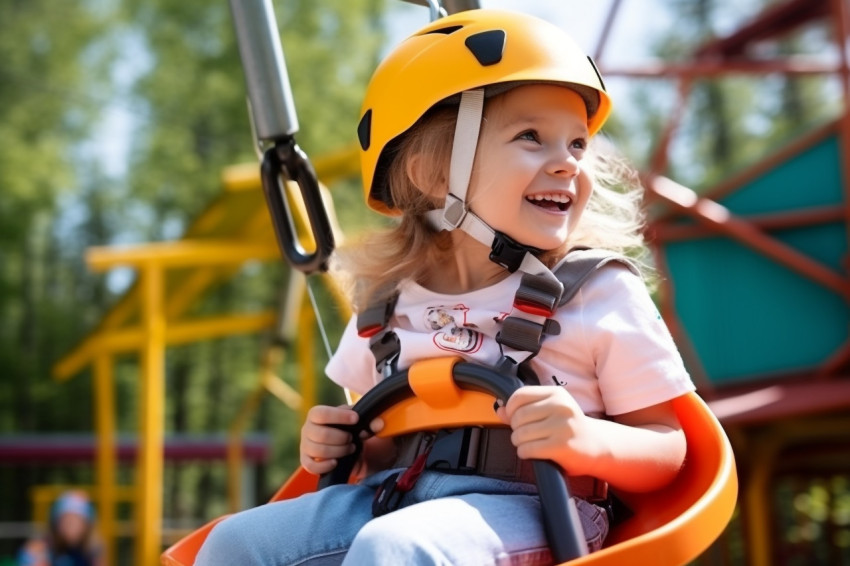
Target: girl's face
x=526, y=181
x=72, y=528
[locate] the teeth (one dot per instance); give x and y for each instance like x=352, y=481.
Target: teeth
x=557, y=197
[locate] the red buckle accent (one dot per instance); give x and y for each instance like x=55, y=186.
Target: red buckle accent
x=408, y=479
x=533, y=308
x=369, y=331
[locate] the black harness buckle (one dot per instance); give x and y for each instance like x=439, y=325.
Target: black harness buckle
x=386, y=348
x=455, y=451
x=389, y=494
x=387, y=497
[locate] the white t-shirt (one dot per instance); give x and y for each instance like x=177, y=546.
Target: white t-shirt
x=614, y=354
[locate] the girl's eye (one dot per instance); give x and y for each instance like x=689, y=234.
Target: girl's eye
x=529, y=135
x=579, y=143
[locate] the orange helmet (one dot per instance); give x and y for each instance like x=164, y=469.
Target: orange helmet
x=465, y=51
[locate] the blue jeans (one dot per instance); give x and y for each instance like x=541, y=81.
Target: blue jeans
x=444, y=519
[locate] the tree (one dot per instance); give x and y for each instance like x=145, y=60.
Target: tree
x=193, y=93
x=61, y=66
x=50, y=54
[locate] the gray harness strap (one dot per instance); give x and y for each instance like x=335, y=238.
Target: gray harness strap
x=522, y=333
x=373, y=323
x=580, y=265
x=535, y=303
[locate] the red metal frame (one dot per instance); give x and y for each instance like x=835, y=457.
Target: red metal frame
x=728, y=55
x=53, y=449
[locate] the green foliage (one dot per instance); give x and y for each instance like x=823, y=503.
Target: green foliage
x=173, y=69
x=53, y=61
x=813, y=516
x=195, y=92
x=48, y=55
x=194, y=95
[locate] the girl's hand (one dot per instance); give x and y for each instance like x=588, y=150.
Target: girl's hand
x=321, y=443
x=639, y=451
x=548, y=424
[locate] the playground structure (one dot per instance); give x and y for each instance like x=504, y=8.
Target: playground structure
x=232, y=230
x=756, y=285
x=772, y=359
x=75, y=449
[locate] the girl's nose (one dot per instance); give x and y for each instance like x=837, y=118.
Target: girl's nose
x=563, y=163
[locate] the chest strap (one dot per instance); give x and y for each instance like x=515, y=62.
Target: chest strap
x=536, y=301
x=522, y=332
x=373, y=323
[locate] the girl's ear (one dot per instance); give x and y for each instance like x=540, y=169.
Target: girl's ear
x=424, y=174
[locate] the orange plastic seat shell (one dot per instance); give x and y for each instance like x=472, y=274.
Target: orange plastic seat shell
x=676, y=524
x=671, y=526
x=183, y=552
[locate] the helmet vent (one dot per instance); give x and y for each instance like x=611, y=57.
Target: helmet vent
x=364, y=130
x=445, y=31
x=487, y=46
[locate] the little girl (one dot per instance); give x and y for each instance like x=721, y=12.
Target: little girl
x=475, y=133
x=71, y=539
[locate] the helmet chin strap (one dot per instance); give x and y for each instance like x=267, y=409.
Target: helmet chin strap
x=456, y=215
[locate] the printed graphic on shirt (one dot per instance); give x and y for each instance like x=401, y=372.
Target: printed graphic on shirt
x=452, y=334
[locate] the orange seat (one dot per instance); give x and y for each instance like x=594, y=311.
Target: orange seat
x=676, y=524
x=671, y=526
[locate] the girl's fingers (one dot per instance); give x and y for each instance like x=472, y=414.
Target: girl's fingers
x=534, y=404
x=527, y=413
x=322, y=444
x=522, y=397
x=536, y=450
x=325, y=434
x=377, y=425
x=317, y=467
x=325, y=451
x=324, y=415
x=537, y=431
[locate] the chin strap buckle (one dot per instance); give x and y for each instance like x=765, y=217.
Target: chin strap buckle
x=507, y=252
x=454, y=212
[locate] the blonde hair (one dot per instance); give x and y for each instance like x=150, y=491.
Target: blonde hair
x=613, y=218
x=371, y=267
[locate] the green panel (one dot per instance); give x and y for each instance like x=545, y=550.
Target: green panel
x=811, y=178
x=747, y=315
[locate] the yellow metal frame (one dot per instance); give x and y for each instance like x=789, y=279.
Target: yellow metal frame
x=296, y=320
x=148, y=319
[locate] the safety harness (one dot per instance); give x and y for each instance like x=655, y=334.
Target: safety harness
x=522, y=332
x=473, y=450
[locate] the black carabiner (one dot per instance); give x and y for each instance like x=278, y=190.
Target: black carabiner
x=286, y=161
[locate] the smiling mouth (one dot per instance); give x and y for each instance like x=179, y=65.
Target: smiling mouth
x=559, y=202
